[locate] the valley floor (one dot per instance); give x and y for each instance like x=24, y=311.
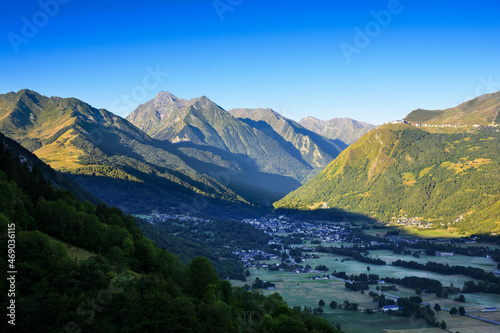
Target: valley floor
x=300, y=290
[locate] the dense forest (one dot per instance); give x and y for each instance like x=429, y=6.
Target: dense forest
x=215, y=239
x=85, y=267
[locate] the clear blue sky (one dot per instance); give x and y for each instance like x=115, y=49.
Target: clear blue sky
x=286, y=55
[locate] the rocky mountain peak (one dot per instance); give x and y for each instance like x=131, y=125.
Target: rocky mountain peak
x=165, y=98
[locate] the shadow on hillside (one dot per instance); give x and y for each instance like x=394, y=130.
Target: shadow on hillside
x=330, y=215
x=321, y=140
x=237, y=172
x=331, y=147
x=164, y=197
x=266, y=128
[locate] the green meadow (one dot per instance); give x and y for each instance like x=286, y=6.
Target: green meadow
x=300, y=290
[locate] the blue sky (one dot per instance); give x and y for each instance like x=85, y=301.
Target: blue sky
x=320, y=58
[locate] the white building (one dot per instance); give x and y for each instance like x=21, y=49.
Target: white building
x=390, y=307
x=444, y=254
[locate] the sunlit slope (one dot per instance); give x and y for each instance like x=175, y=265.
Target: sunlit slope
x=483, y=110
x=104, y=152
x=400, y=169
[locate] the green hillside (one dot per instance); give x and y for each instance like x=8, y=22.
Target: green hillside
x=483, y=110
x=106, y=154
x=398, y=170
x=57, y=179
x=116, y=280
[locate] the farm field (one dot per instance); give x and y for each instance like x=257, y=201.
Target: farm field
x=487, y=264
x=419, y=233
x=356, y=267
x=436, y=233
x=491, y=246
x=466, y=324
x=300, y=290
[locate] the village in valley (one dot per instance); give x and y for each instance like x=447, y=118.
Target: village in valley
x=364, y=269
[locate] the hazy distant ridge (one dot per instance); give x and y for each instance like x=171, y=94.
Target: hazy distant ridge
x=346, y=130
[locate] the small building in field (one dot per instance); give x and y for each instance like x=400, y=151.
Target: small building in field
x=390, y=307
x=490, y=309
x=444, y=254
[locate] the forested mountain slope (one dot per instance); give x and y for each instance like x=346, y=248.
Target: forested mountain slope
x=56, y=179
x=449, y=179
x=81, y=267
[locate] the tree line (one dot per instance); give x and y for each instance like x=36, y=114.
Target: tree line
x=445, y=269
x=349, y=252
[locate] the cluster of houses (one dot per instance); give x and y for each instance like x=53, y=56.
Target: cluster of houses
x=411, y=222
x=279, y=227
x=398, y=122
x=156, y=217
x=433, y=125
x=445, y=125
x=327, y=233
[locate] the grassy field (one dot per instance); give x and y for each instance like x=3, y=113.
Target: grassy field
x=491, y=246
x=355, y=322
x=61, y=153
x=334, y=263
x=380, y=231
x=465, y=324
x=419, y=233
x=300, y=290
x=487, y=264
x=437, y=233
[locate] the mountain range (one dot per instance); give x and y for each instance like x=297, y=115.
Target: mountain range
x=260, y=154
x=346, y=130
x=448, y=176
x=104, y=153
x=170, y=153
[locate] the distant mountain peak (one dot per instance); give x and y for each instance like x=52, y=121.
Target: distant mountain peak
x=345, y=129
x=164, y=93
x=311, y=118
x=202, y=99
x=259, y=113
x=167, y=98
